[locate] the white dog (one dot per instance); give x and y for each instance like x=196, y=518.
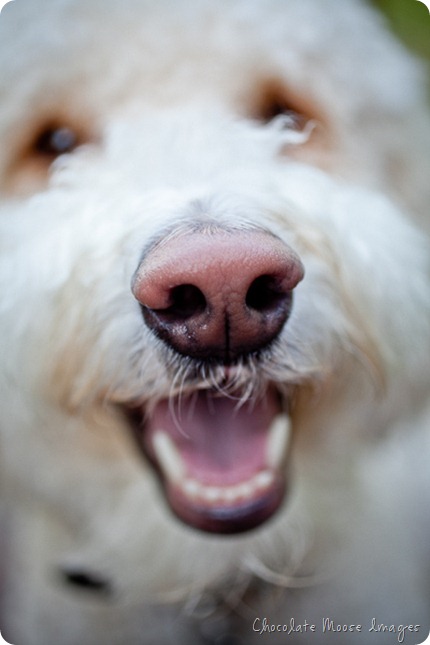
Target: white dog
x=215, y=324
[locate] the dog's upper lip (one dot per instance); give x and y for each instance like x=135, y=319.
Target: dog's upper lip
x=220, y=459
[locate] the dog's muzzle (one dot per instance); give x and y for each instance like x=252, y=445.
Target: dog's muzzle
x=218, y=298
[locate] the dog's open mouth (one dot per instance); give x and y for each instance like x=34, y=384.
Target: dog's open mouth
x=221, y=461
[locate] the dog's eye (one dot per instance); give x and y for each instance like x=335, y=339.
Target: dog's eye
x=273, y=100
x=39, y=146
x=53, y=140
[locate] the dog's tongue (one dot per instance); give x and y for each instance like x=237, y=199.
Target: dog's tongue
x=220, y=460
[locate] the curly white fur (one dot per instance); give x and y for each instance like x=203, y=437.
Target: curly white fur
x=165, y=99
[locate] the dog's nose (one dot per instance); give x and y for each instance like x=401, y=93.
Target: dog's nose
x=217, y=295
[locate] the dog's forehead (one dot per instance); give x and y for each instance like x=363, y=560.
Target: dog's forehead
x=153, y=49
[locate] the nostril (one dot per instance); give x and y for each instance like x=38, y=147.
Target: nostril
x=266, y=295
x=185, y=301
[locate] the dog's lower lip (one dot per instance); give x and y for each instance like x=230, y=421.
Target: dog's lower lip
x=221, y=464
x=239, y=518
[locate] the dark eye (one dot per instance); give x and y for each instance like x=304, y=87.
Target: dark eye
x=40, y=143
x=54, y=140
x=274, y=99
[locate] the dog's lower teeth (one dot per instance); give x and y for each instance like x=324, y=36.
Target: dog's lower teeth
x=279, y=437
x=227, y=494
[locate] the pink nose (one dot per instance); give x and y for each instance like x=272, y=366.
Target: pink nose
x=217, y=295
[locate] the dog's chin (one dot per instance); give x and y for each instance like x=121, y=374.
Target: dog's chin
x=221, y=460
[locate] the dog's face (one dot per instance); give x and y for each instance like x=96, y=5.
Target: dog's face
x=199, y=287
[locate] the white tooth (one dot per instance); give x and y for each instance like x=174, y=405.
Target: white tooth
x=263, y=480
x=230, y=494
x=279, y=436
x=192, y=488
x=168, y=455
x=211, y=493
x=245, y=490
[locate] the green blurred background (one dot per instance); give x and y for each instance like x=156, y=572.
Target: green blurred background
x=410, y=19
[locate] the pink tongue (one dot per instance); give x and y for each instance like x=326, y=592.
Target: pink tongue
x=220, y=441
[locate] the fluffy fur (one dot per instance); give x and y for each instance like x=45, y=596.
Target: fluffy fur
x=172, y=104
